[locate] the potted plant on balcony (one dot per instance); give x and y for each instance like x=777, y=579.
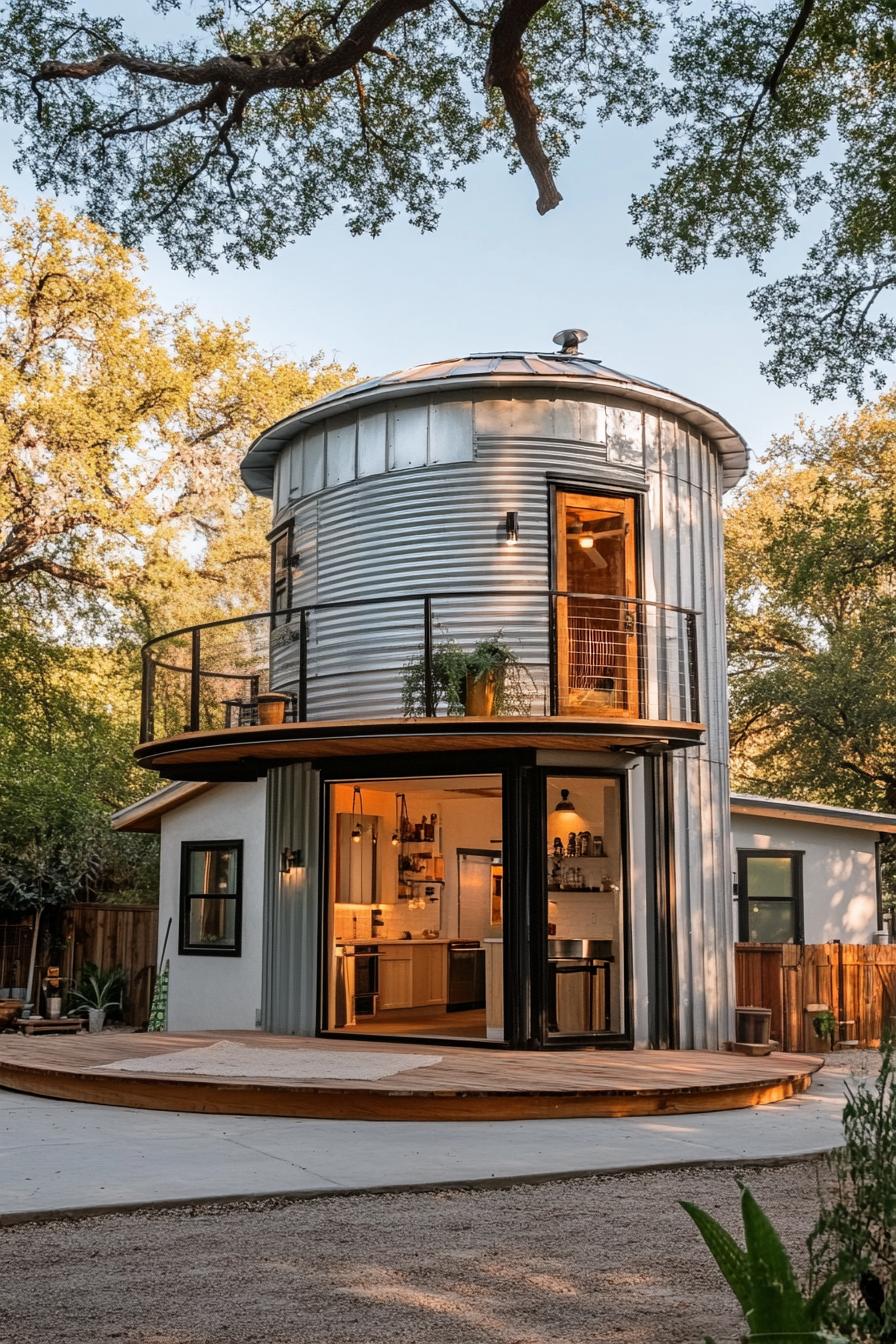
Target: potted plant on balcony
x=489, y=681
x=496, y=683
x=94, y=994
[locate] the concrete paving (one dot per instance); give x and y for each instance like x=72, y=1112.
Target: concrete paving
x=60, y=1157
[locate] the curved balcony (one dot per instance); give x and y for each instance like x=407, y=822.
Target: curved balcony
x=389, y=673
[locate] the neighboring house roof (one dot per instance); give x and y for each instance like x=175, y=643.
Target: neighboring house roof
x=506, y=369
x=146, y=815
x=752, y=805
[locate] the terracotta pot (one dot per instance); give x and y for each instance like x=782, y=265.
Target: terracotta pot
x=479, y=700
x=272, y=707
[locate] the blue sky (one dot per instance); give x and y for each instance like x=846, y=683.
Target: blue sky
x=495, y=275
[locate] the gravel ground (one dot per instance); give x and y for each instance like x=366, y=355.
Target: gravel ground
x=606, y=1258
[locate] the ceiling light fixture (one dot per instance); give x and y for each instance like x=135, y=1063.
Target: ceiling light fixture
x=357, y=801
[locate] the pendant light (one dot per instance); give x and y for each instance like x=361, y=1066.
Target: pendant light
x=357, y=802
x=396, y=833
x=564, y=804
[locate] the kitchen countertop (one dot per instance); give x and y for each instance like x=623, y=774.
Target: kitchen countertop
x=395, y=942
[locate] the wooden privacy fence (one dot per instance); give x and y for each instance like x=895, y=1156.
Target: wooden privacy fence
x=15, y=953
x=857, y=982
x=116, y=935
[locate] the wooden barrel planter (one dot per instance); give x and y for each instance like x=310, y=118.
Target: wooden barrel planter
x=752, y=1026
x=272, y=707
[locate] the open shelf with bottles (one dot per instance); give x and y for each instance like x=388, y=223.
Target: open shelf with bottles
x=421, y=864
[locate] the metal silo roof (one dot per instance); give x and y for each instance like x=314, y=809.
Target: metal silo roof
x=507, y=370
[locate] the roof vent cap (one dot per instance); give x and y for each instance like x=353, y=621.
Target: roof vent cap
x=569, y=340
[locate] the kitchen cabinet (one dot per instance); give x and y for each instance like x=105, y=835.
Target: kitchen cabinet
x=395, y=978
x=430, y=975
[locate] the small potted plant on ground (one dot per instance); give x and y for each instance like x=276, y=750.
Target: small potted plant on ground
x=824, y=1024
x=95, y=994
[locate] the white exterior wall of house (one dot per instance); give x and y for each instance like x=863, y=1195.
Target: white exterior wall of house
x=214, y=992
x=839, y=873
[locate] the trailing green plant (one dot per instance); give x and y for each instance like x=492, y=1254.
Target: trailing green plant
x=490, y=658
x=96, y=988
x=824, y=1025
x=449, y=674
x=854, y=1240
x=762, y=1277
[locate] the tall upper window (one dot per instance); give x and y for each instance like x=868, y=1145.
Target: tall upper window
x=281, y=574
x=769, y=885
x=211, y=897
x=595, y=627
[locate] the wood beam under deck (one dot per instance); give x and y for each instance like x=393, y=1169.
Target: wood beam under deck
x=247, y=752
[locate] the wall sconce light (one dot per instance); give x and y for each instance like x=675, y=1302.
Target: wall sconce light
x=564, y=804
x=512, y=526
x=291, y=858
x=295, y=562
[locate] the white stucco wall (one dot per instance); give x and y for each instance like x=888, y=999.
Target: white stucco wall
x=839, y=881
x=207, y=992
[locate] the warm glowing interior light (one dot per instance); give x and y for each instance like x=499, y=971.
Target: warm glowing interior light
x=586, y=542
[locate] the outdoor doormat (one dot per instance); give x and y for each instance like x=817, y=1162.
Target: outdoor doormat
x=227, y=1059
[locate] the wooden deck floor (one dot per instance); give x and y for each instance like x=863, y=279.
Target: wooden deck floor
x=466, y=1084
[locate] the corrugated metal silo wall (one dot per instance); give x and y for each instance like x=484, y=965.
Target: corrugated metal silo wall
x=440, y=527
x=289, y=937
x=684, y=565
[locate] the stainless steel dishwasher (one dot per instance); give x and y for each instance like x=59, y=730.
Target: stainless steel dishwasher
x=466, y=975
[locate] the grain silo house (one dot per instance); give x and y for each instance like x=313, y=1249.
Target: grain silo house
x=471, y=769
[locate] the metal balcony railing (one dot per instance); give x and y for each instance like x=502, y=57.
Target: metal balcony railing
x=569, y=654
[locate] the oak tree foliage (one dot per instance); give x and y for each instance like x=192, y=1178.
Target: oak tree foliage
x=122, y=515
x=122, y=426
x=267, y=116
x=811, y=576
x=256, y=119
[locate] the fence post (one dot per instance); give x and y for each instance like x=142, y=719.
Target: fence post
x=195, y=650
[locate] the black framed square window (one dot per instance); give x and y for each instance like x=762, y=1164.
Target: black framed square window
x=281, y=573
x=770, y=895
x=211, y=898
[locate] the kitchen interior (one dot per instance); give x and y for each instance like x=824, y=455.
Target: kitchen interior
x=416, y=918
x=415, y=891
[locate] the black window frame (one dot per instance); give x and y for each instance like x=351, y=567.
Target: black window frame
x=281, y=614
x=184, y=946
x=796, y=886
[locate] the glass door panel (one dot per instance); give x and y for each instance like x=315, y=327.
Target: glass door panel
x=596, y=629
x=415, y=942
x=586, y=904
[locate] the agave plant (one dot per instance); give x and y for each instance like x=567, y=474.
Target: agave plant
x=762, y=1278
x=96, y=988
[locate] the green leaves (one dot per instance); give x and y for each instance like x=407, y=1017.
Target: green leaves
x=854, y=1241
x=761, y=1276
x=811, y=571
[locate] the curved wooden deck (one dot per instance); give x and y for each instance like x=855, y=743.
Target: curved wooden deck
x=465, y=1084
